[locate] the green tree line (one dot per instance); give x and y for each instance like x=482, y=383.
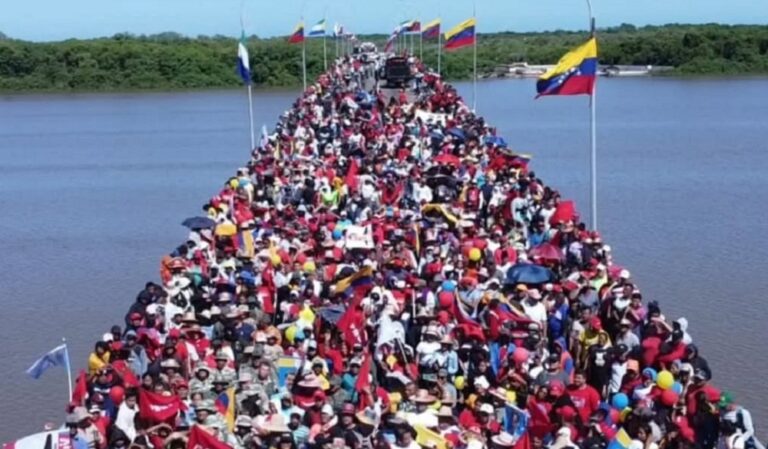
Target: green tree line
x=173, y=61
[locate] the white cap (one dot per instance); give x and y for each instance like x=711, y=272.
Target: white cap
x=108, y=337
x=482, y=382
x=486, y=408
x=624, y=274
x=152, y=309
x=327, y=409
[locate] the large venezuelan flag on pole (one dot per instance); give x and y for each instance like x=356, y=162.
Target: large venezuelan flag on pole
x=462, y=35
x=431, y=30
x=574, y=74
x=297, y=36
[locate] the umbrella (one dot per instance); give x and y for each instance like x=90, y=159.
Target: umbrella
x=527, y=273
x=458, y=133
x=198, y=223
x=332, y=314
x=495, y=140
x=448, y=159
x=548, y=252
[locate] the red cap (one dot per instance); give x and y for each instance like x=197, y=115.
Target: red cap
x=556, y=388
x=174, y=333
x=567, y=412
x=348, y=409
x=596, y=323
x=135, y=316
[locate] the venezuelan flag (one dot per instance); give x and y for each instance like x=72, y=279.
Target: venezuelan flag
x=574, y=74
x=361, y=278
x=245, y=243
x=431, y=30
x=461, y=35
x=297, y=36
x=621, y=440
x=225, y=404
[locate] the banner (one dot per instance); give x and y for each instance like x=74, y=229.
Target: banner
x=157, y=407
x=358, y=237
x=200, y=439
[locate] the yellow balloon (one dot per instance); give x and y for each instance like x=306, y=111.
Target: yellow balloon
x=624, y=413
x=307, y=315
x=290, y=334
x=233, y=183
x=475, y=254
x=275, y=259
x=459, y=382
x=665, y=380
x=511, y=396
x=226, y=229
x=309, y=266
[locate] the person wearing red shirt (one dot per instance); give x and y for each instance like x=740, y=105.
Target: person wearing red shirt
x=584, y=396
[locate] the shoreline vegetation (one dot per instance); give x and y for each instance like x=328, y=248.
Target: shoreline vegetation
x=170, y=61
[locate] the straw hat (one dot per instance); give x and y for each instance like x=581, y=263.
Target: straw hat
x=423, y=397
x=503, y=439
x=276, y=424
x=445, y=412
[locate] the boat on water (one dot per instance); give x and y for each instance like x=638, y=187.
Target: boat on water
x=386, y=272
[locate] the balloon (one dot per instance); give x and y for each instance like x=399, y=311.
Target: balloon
x=459, y=382
x=677, y=387
x=233, y=183
x=307, y=315
x=309, y=266
x=475, y=254
x=624, y=414
x=520, y=355
x=511, y=397
x=620, y=401
x=449, y=286
x=337, y=234
x=275, y=260
x=117, y=393
x=614, y=414
x=665, y=380
x=445, y=299
x=290, y=334
x=651, y=373
x=669, y=398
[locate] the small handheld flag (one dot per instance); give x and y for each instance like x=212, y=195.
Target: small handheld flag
x=462, y=35
x=574, y=74
x=243, y=62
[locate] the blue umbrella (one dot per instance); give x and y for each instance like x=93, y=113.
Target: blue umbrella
x=458, y=133
x=496, y=140
x=199, y=223
x=527, y=273
x=332, y=314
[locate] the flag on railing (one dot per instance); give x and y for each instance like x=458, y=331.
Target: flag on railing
x=462, y=35
x=243, y=61
x=297, y=36
x=431, y=30
x=574, y=74
x=58, y=356
x=318, y=29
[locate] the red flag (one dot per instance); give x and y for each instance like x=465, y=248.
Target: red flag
x=198, y=438
x=157, y=407
x=351, y=178
x=352, y=322
x=364, y=375
x=81, y=388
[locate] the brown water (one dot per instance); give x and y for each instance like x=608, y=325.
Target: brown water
x=93, y=189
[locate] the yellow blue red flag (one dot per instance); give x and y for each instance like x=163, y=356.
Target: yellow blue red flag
x=225, y=404
x=431, y=30
x=297, y=36
x=462, y=35
x=574, y=74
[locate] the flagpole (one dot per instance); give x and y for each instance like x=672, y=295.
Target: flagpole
x=421, y=45
x=303, y=55
x=69, y=368
x=474, y=62
x=325, y=57
x=250, y=116
x=439, y=47
x=593, y=133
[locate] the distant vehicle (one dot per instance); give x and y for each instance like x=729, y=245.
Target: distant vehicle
x=396, y=72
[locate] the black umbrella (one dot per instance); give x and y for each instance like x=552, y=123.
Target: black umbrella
x=199, y=223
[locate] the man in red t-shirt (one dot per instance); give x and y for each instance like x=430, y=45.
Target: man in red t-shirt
x=584, y=396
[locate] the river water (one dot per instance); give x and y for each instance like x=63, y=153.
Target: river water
x=93, y=189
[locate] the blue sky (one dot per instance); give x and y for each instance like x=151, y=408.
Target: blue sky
x=42, y=20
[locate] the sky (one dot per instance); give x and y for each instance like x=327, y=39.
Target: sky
x=47, y=20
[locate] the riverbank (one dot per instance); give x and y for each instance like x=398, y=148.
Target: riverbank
x=172, y=62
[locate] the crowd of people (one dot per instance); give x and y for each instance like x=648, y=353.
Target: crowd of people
x=385, y=273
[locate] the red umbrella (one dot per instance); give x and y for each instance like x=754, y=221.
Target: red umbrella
x=448, y=159
x=547, y=251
